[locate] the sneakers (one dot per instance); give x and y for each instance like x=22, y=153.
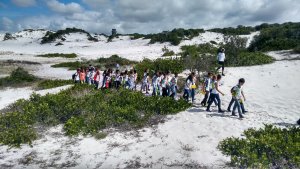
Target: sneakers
x=233, y=114
x=241, y=116
x=221, y=111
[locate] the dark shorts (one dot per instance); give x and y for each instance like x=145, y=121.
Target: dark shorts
x=221, y=63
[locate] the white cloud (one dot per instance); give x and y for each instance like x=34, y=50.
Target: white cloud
x=24, y=3
x=144, y=16
x=6, y=24
x=58, y=7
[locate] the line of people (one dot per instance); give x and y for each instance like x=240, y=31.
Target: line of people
x=165, y=84
x=212, y=95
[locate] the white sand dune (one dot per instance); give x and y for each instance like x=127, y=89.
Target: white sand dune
x=189, y=137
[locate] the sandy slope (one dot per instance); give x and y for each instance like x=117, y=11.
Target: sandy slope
x=189, y=137
x=29, y=43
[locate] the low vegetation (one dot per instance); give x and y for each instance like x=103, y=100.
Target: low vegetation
x=52, y=55
x=238, y=55
x=167, y=52
x=83, y=110
x=18, y=78
x=297, y=49
x=51, y=37
x=174, y=37
x=101, y=63
x=239, y=30
x=269, y=147
x=48, y=84
x=277, y=37
x=174, y=65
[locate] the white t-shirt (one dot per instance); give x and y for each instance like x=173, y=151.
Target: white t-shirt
x=188, y=84
x=221, y=57
x=237, y=92
x=214, y=85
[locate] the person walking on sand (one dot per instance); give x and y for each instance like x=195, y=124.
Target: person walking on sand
x=206, y=88
x=76, y=76
x=237, y=96
x=214, y=95
x=82, y=76
x=188, y=87
x=96, y=78
x=221, y=60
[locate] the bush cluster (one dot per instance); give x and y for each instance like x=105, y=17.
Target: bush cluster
x=239, y=30
x=167, y=52
x=277, y=37
x=246, y=58
x=48, y=84
x=18, y=77
x=83, y=110
x=101, y=62
x=174, y=65
x=52, y=55
x=269, y=147
x=51, y=37
x=174, y=37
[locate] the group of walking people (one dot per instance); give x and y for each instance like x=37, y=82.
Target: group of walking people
x=165, y=84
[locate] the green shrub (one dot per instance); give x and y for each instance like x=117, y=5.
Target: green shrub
x=249, y=59
x=48, y=84
x=70, y=65
x=297, y=49
x=18, y=77
x=84, y=110
x=51, y=37
x=174, y=65
x=101, y=62
x=51, y=55
x=239, y=30
x=269, y=147
x=276, y=37
x=16, y=129
x=167, y=52
x=175, y=36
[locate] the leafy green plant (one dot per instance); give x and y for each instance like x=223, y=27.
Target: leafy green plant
x=83, y=110
x=48, y=84
x=174, y=65
x=167, y=52
x=51, y=37
x=276, y=37
x=51, y=55
x=18, y=77
x=101, y=62
x=268, y=147
x=239, y=30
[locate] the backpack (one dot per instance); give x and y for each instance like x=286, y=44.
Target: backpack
x=232, y=89
x=74, y=76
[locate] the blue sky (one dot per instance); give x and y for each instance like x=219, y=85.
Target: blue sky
x=143, y=16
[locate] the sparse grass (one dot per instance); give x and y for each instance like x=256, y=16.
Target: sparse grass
x=18, y=78
x=100, y=135
x=101, y=62
x=63, y=55
x=48, y=84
